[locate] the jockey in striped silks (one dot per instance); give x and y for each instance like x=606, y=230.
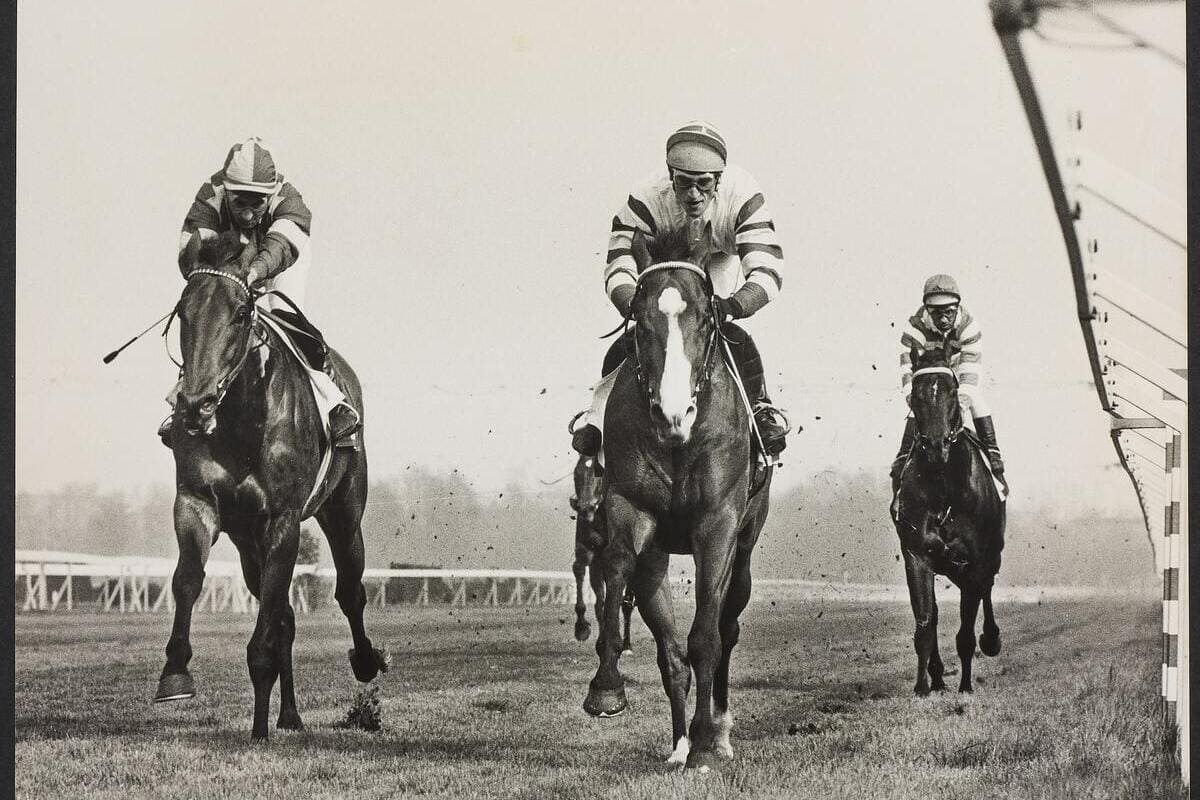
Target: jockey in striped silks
x=942, y=317
x=249, y=195
x=723, y=209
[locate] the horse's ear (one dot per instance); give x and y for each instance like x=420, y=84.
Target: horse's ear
x=189, y=255
x=641, y=251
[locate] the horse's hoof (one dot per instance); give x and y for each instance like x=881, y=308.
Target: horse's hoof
x=605, y=703
x=703, y=761
x=178, y=686
x=988, y=645
x=938, y=685
x=290, y=722
x=921, y=691
x=582, y=631
x=367, y=665
x=965, y=688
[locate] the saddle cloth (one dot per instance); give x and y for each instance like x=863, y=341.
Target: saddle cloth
x=325, y=393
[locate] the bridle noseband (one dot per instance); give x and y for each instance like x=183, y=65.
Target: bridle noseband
x=710, y=346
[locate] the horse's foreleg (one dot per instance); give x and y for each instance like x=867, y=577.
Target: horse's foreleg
x=266, y=643
x=652, y=587
x=736, y=600
x=920, y=594
x=989, y=643
x=195, y=527
x=965, y=640
x=716, y=548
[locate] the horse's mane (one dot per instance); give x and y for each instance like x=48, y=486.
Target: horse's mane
x=219, y=251
x=673, y=245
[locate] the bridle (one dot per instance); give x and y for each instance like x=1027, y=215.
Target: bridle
x=709, y=348
x=251, y=325
x=922, y=439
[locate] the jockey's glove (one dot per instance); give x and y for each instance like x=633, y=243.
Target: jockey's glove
x=622, y=298
x=727, y=308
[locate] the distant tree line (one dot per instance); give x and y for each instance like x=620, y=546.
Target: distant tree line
x=833, y=526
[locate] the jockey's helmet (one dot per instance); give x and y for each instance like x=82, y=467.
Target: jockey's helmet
x=249, y=168
x=696, y=147
x=941, y=290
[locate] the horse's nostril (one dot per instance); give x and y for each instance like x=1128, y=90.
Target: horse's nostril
x=657, y=414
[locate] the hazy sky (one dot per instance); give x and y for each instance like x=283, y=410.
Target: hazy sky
x=463, y=162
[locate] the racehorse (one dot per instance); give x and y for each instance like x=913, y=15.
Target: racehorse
x=247, y=440
x=591, y=533
x=950, y=519
x=680, y=480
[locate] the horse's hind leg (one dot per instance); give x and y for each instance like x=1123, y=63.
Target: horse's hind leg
x=583, y=628
x=340, y=518
x=195, y=527
x=968, y=607
x=289, y=716
x=652, y=589
x=921, y=596
x=989, y=642
x=606, y=692
x=627, y=603
x=278, y=559
x=735, y=602
x=937, y=669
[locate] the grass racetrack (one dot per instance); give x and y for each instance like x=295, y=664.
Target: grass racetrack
x=486, y=702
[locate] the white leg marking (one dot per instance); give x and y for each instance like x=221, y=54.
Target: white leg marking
x=675, y=389
x=680, y=753
x=724, y=724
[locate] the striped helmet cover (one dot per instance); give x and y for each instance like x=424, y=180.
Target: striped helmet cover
x=249, y=167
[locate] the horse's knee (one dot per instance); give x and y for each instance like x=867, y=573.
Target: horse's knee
x=350, y=597
x=965, y=640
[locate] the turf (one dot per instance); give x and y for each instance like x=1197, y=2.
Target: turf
x=485, y=702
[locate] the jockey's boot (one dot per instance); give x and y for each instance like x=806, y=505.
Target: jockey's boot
x=907, y=440
x=772, y=423
x=164, y=430
x=344, y=421
x=987, y=435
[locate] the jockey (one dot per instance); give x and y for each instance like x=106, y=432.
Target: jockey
x=722, y=207
x=941, y=317
x=249, y=196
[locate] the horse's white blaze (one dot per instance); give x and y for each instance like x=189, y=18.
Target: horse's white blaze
x=680, y=753
x=675, y=390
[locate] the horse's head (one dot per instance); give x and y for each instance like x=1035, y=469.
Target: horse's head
x=934, y=402
x=676, y=331
x=589, y=489
x=216, y=320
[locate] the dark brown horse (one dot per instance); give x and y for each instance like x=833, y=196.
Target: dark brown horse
x=247, y=440
x=591, y=534
x=950, y=519
x=679, y=470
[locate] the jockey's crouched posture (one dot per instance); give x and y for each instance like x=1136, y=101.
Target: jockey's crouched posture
x=249, y=196
x=724, y=212
x=942, y=317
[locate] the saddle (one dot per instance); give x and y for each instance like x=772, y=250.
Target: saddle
x=307, y=340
